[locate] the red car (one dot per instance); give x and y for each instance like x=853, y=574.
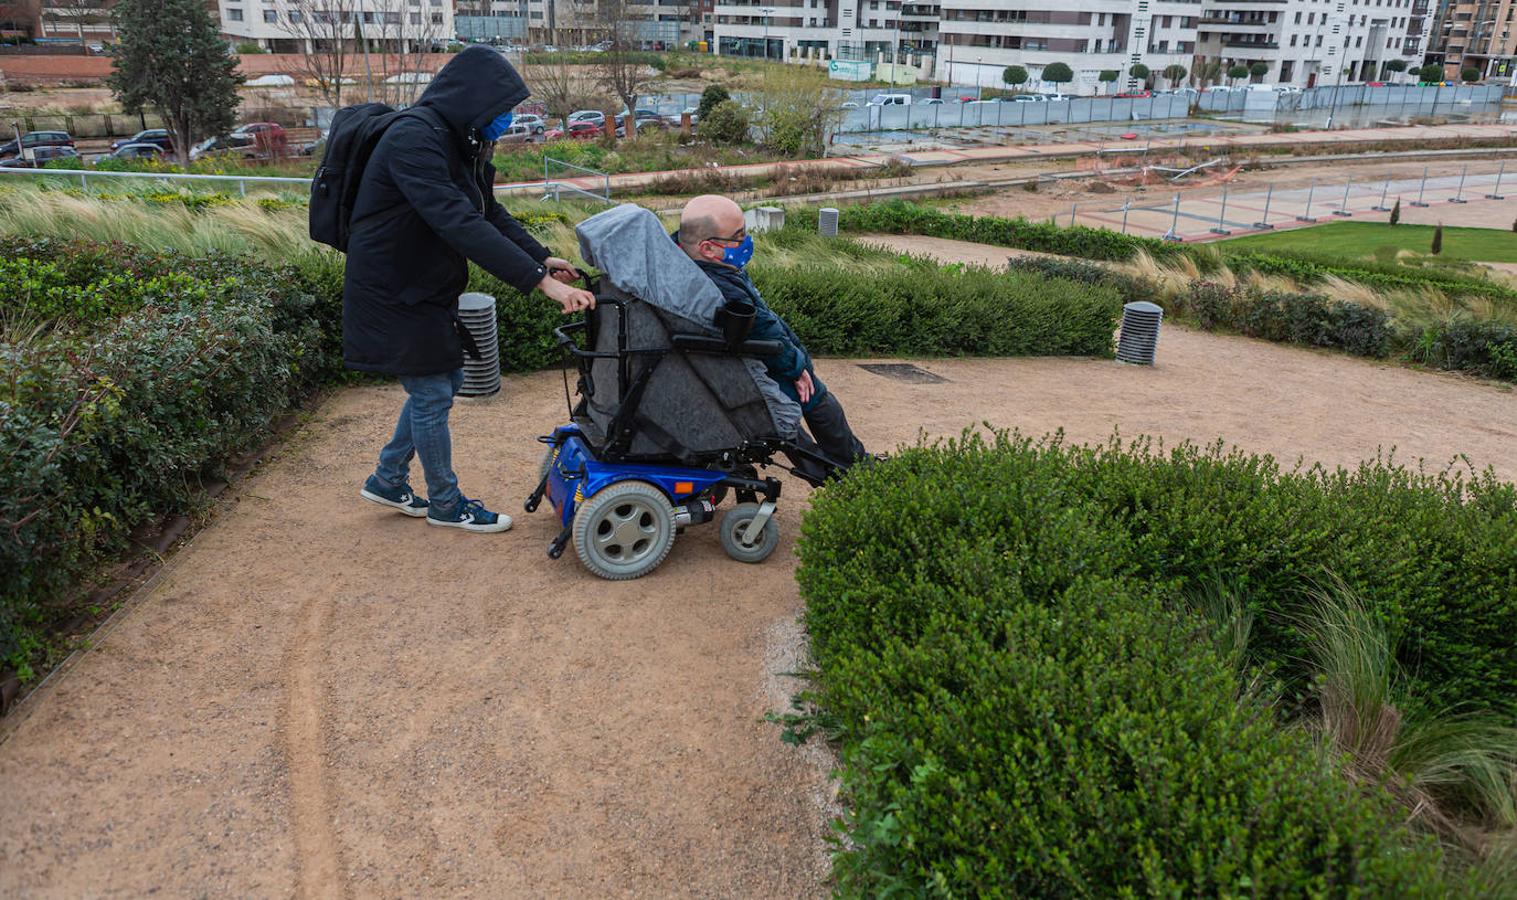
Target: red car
x=1134, y=95
x=580, y=131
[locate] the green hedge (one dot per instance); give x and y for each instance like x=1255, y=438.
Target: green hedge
x=1024, y=709
x=1306, y=268
x=903, y=217
x=107, y=426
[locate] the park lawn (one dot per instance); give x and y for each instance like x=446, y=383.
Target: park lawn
x=1361, y=240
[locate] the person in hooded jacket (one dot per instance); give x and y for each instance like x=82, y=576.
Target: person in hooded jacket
x=713, y=234
x=425, y=209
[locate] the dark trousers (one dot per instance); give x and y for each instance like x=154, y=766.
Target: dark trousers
x=833, y=439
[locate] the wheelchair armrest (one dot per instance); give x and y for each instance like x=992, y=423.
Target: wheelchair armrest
x=700, y=343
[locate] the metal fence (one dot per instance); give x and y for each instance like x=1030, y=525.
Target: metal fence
x=1449, y=193
x=107, y=125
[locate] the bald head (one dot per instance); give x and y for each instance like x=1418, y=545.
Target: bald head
x=704, y=218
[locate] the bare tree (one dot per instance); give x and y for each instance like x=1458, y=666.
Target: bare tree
x=324, y=31
x=20, y=15
x=619, y=69
x=405, y=32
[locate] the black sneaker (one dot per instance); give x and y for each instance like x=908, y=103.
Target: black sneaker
x=401, y=499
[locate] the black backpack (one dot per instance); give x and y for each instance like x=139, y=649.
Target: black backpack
x=351, y=141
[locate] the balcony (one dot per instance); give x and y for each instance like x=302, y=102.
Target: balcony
x=1222, y=22
x=1252, y=45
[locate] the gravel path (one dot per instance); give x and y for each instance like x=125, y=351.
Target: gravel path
x=321, y=698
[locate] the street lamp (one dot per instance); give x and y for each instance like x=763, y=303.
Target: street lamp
x=895, y=52
x=767, y=11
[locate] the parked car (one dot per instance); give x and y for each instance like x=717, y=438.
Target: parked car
x=255, y=140
x=532, y=121
x=582, y=130
x=34, y=139
x=516, y=134
x=157, y=136
x=141, y=150
x=1020, y=98
x=645, y=118
x=931, y=101
x=890, y=100
x=594, y=116
x=37, y=157
x=677, y=120
x=1134, y=95
x=848, y=104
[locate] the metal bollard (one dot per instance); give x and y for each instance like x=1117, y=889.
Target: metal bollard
x=1174, y=223
x=1420, y=188
x=1495, y=193
x=1459, y=194
x=1342, y=209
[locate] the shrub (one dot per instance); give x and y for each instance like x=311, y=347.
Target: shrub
x=1058, y=73
x=1437, y=247
x=902, y=217
x=1023, y=710
x=710, y=97
x=727, y=123
x=1308, y=319
x=1015, y=76
x=104, y=430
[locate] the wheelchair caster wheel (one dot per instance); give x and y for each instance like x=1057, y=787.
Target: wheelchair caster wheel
x=757, y=548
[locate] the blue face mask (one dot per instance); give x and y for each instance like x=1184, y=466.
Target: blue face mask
x=738, y=256
x=497, y=127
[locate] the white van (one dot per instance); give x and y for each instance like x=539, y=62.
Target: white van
x=890, y=100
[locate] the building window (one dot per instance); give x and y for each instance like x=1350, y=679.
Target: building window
x=392, y=18
x=270, y=16
x=233, y=15
x=296, y=17
x=416, y=17
x=437, y=18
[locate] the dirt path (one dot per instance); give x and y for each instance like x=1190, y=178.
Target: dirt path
x=321, y=698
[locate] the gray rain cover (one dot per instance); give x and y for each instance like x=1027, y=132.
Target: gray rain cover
x=699, y=403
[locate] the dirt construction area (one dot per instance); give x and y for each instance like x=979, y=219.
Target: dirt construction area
x=318, y=697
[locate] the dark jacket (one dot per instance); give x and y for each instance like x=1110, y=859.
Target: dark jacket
x=792, y=359
x=424, y=208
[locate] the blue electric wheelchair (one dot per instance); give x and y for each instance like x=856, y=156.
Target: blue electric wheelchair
x=673, y=415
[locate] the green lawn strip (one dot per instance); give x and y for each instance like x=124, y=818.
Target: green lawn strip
x=1361, y=240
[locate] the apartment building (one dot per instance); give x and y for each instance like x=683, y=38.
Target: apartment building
x=293, y=26
x=1477, y=34
x=81, y=21
x=1310, y=42
x=972, y=41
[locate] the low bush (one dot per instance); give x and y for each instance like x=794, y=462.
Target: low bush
x=903, y=217
x=1025, y=707
x=920, y=309
x=185, y=364
x=726, y=124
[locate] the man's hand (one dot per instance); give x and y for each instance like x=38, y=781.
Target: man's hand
x=805, y=387
x=571, y=299
x=561, y=269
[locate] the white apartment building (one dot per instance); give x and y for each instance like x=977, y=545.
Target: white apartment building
x=293, y=26
x=1311, y=42
x=974, y=41
x=980, y=38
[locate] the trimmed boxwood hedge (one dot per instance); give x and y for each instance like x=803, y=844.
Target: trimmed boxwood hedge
x=107, y=422
x=1025, y=709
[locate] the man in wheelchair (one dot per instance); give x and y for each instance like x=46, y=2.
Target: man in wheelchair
x=712, y=233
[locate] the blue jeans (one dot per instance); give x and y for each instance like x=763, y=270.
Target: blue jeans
x=422, y=430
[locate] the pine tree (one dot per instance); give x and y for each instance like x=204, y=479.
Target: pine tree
x=1396, y=212
x=1438, y=239
x=169, y=56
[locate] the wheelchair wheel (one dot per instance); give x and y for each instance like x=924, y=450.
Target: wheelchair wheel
x=624, y=531
x=736, y=521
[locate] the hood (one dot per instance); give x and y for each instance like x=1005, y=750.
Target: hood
x=474, y=87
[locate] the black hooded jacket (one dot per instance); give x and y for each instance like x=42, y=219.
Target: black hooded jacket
x=424, y=208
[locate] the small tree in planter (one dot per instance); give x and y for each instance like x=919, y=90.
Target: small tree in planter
x=1235, y=73
x=1014, y=76
x=1470, y=75
x=1140, y=72
x=1396, y=66
x=1058, y=73
x=1175, y=73
x=1108, y=76
x=1438, y=239
x=1396, y=212
x=1258, y=70
x=1430, y=73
